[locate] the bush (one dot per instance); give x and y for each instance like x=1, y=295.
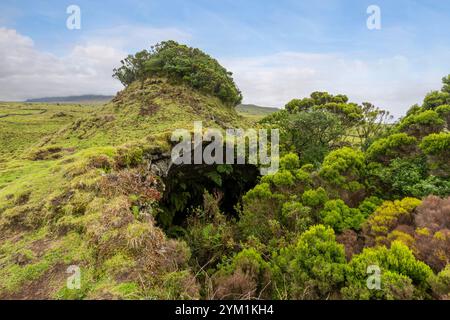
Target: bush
x=422, y=124
x=246, y=276
x=402, y=276
x=315, y=198
x=433, y=232
x=312, y=268
x=437, y=148
x=340, y=217
x=396, y=145
x=343, y=168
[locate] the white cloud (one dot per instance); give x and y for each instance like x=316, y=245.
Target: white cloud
x=391, y=83
x=26, y=72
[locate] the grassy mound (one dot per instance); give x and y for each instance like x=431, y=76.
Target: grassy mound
x=76, y=191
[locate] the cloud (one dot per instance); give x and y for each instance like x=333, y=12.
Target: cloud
x=393, y=83
x=26, y=72
x=134, y=37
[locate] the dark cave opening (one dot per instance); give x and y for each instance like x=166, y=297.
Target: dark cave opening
x=186, y=184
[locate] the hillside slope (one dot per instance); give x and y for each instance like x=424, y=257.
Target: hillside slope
x=84, y=197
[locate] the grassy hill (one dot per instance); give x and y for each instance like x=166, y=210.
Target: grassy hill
x=75, y=190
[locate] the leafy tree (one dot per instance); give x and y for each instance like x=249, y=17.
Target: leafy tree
x=312, y=134
x=372, y=123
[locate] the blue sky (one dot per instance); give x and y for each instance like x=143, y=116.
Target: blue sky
x=277, y=50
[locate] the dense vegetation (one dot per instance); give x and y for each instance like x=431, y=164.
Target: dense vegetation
x=354, y=191
x=181, y=63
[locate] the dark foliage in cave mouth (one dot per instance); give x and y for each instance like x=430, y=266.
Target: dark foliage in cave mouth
x=186, y=184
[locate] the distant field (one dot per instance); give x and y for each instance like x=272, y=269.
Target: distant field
x=254, y=112
x=24, y=124
x=84, y=99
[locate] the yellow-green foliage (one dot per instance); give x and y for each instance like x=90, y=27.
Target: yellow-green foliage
x=388, y=216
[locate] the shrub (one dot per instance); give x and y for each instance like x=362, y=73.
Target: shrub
x=437, y=148
x=396, y=145
x=433, y=232
x=435, y=99
x=315, y=198
x=208, y=233
x=444, y=113
x=343, y=168
x=312, y=268
x=290, y=162
x=402, y=276
x=422, y=124
x=340, y=217
x=246, y=276
x=441, y=284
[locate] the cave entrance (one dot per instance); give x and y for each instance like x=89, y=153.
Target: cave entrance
x=186, y=184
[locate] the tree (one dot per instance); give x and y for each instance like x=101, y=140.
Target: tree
x=372, y=123
x=312, y=134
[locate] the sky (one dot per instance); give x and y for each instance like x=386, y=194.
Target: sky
x=277, y=50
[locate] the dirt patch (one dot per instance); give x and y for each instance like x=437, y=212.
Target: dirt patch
x=42, y=288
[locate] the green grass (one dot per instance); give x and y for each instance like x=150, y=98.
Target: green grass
x=253, y=112
x=49, y=189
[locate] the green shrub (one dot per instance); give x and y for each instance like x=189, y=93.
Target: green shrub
x=343, y=168
x=314, y=198
x=402, y=276
x=340, y=217
x=422, y=124
x=396, y=145
x=312, y=268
